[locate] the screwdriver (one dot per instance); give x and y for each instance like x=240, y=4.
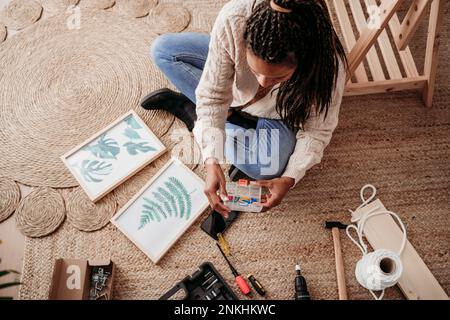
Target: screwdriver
x=243, y=286
x=301, y=289
x=256, y=285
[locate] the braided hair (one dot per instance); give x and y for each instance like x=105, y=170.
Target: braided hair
x=308, y=33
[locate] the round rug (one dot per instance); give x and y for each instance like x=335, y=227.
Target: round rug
x=51, y=101
x=168, y=18
x=55, y=6
x=3, y=33
x=98, y=4
x=20, y=14
x=85, y=215
x=9, y=198
x=40, y=213
x=135, y=8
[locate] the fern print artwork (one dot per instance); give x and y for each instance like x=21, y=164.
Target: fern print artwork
x=163, y=209
x=171, y=201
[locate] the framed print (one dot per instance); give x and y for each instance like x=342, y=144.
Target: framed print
x=114, y=154
x=163, y=209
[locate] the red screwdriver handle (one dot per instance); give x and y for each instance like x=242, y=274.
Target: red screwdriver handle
x=243, y=286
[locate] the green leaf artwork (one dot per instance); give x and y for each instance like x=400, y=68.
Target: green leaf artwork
x=92, y=171
x=172, y=200
x=134, y=148
x=132, y=134
x=131, y=121
x=185, y=194
x=105, y=148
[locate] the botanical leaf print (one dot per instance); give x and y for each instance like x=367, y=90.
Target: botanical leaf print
x=164, y=201
x=167, y=195
x=185, y=193
x=93, y=171
x=132, y=134
x=173, y=200
x=154, y=205
x=105, y=148
x=146, y=217
x=131, y=121
x=134, y=148
x=178, y=197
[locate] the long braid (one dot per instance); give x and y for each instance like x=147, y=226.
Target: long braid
x=308, y=33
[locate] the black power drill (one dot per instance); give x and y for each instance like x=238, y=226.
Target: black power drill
x=301, y=289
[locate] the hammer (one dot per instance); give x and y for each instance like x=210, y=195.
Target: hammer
x=335, y=226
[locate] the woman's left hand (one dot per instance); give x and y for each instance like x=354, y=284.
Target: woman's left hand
x=278, y=188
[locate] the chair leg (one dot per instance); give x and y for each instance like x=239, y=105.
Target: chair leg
x=432, y=51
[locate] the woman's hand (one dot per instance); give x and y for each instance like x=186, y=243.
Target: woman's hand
x=215, y=180
x=278, y=188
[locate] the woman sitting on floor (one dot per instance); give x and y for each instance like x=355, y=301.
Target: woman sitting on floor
x=264, y=88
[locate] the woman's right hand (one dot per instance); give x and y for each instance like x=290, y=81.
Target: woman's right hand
x=215, y=180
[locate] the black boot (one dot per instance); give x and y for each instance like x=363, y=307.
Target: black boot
x=176, y=103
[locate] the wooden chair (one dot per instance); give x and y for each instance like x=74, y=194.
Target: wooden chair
x=363, y=49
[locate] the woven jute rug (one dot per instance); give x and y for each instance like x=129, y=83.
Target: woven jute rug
x=9, y=197
x=54, y=100
x=390, y=140
x=169, y=18
x=56, y=6
x=40, y=213
x=3, y=33
x=20, y=14
x=85, y=215
x=98, y=4
x=135, y=8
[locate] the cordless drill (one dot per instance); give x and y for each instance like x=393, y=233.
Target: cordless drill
x=301, y=289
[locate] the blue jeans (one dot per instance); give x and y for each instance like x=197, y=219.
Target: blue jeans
x=258, y=153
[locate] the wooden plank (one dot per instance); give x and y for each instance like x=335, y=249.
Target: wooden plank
x=432, y=51
x=349, y=37
x=372, y=57
x=405, y=55
x=411, y=22
x=357, y=89
x=417, y=282
x=370, y=35
x=390, y=59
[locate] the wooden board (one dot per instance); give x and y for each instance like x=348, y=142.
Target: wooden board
x=417, y=281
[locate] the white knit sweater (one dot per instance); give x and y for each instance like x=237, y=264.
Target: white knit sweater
x=227, y=81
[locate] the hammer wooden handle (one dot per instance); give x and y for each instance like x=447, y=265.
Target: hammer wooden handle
x=340, y=274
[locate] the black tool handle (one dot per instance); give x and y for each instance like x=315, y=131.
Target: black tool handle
x=301, y=289
x=257, y=285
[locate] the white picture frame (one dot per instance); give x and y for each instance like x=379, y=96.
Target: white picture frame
x=111, y=156
x=156, y=237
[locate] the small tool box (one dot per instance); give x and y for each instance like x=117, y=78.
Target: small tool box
x=243, y=196
x=205, y=284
